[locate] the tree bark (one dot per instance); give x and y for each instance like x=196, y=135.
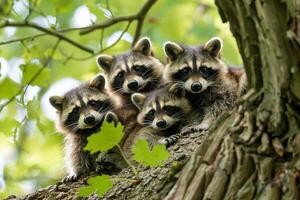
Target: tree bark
x=253, y=153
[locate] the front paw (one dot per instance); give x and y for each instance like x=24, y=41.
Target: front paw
x=71, y=178
x=169, y=140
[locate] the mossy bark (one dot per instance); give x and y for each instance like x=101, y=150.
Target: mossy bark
x=253, y=153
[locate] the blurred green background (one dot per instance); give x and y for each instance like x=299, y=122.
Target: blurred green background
x=31, y=151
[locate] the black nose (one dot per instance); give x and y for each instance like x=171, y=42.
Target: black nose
x=133, y=84
x=196, y=87
x=89, y=119
x=161, y=124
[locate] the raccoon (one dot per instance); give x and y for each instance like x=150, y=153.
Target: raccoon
x=161, y=113
x=210, y=85
x=134, y=71
x=81, y=112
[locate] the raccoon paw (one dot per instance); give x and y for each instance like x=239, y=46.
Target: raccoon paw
x=169, y=140
x=71, y=178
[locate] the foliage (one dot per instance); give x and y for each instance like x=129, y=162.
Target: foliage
x=97, y=184
x=27, y=133
x=106, y=139
x=149, y=157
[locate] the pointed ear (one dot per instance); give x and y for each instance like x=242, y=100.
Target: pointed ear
x=143, y=46
x=105, y=62
x=138, y=100
x=172, y=50
x=177, y=90
x=214, y=46
x=56, y=102
x=111, y=117
x=98, y=82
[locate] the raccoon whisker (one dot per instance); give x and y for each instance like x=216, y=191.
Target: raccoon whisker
x=212, y=76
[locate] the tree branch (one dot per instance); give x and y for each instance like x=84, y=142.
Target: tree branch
x=48, y=31
x=34, y=77
x=140, y=16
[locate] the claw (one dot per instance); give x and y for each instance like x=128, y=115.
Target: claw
x=70, y=178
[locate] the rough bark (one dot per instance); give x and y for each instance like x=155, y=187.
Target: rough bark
x=152, y=178
x=253, y=153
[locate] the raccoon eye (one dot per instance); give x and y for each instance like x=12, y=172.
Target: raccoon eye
x=168, y=108
x=120, y=74
x=93, y=103
x=151, y=113
x=76, y=110
x=207, y=72
x=185, y=71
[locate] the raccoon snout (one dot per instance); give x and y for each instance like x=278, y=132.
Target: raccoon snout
x=133, y=84
x=161, y=124
x=196, y=87
x=90, y=119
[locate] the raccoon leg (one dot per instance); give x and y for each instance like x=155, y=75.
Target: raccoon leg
x=169, y=140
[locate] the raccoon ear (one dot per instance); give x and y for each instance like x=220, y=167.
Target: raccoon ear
x=214, y=46
x=111, y=117
x=144, y=46
x=105, y=62
x=177, y=90
x=98, y=82
x=56, y=102
x=172, y=50
x=138, y=100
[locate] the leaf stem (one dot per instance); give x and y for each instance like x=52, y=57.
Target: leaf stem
x=128, y=162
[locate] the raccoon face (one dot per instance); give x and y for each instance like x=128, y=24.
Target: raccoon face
x=82, y=109
x=133, y=71
x=160, y=109
x=194, y=68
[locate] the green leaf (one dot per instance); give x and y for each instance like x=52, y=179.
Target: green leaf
x=7, y=125
x=146, y=156
x=99, y=185
x=106, y=139
x=8, y=88
x=30, y=70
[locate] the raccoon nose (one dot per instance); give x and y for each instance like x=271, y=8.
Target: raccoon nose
x=133, y=84
x=161, y=124
x=89, y=119
x=196, y=87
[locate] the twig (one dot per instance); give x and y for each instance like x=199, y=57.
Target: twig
x=32, y=79
x=128, y=162
x=139, y=16
x=108, y=8
x=48, y=31
x=102, y=49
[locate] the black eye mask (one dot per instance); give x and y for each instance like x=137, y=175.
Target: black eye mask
x=118, y=81
x=172, y=110
x=99, y=106
x=206, y=72
x=182, y=74
x=72, y=118
x=142, y=71
x=149, y=116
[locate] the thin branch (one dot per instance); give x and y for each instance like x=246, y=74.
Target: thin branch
x=102, y=49
x=139, y=16
x=48, y=31
x=108, y=8
x=24, y=88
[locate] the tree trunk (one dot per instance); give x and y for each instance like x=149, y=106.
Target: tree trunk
x=253, y=152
